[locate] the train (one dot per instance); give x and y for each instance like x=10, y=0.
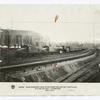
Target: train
x=57, y=49
x=66, y=49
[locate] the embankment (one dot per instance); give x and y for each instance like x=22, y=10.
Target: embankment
x=53, y=72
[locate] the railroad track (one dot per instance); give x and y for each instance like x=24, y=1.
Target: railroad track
x=84, y=73
x=51, y=60
x=77, y=74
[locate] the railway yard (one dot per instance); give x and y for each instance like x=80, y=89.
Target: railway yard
x=28, y=57
x=81, y=66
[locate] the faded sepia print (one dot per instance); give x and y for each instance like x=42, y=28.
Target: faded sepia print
x=50, y=43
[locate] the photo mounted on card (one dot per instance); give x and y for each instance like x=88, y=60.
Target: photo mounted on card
x=49, y=50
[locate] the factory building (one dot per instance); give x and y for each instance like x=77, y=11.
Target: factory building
x=20, y=38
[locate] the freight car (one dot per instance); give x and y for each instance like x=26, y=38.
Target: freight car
x=66, y=49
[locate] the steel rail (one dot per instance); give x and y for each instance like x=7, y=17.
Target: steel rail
x=74, y=76
x=90, y=52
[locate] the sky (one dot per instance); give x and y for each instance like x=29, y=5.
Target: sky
x=75, y=22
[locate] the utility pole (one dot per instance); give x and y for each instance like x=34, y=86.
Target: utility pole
x=7, y=39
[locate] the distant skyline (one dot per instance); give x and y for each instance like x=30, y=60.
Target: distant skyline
x=75, y=23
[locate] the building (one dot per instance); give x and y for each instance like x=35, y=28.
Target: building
x=17, y=38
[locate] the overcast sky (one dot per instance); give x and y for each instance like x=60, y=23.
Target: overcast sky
x=75, y=22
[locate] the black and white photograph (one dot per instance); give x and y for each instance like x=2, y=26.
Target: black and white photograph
x=50, y=43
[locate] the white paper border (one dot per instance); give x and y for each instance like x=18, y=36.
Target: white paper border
x=50, y=2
